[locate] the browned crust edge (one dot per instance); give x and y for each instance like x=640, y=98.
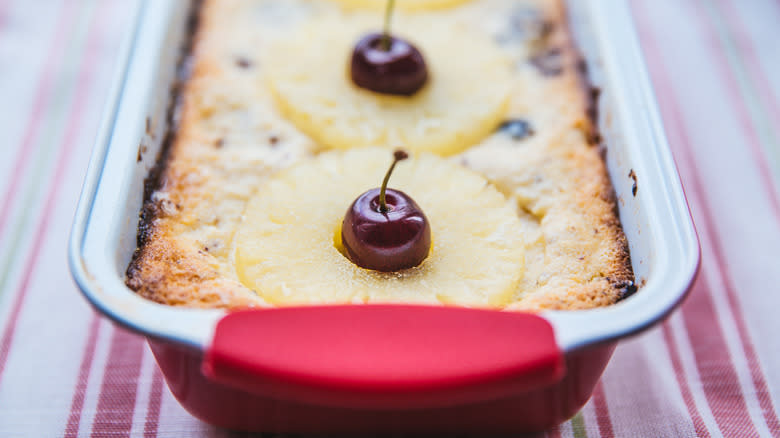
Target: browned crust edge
x=150, y=209
x=621, y=278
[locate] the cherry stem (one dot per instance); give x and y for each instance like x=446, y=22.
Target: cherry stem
x=386, y=32
x=398, y=155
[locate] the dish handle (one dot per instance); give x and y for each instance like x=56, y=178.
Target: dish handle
x=383, y=356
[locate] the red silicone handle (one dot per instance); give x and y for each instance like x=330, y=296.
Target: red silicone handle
x=383, y=356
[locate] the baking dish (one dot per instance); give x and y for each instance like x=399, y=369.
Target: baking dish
x=388, y=368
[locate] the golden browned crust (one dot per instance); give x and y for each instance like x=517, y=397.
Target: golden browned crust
x=230, y=139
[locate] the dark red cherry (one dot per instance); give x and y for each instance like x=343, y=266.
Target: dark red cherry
x=389, y=65
x=385, y=230
x=399, y=238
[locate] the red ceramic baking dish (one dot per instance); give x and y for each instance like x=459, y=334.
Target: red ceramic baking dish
x=385, y=368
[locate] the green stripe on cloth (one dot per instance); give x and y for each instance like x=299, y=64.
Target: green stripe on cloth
x=578, y=426
x=759, y=115
x=52, y=125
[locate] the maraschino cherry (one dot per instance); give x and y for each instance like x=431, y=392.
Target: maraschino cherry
x=387, y=64
x=385, y=230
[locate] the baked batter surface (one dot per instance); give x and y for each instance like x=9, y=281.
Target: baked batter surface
x=542, y=153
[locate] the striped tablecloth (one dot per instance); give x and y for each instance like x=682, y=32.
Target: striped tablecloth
x=712, y=369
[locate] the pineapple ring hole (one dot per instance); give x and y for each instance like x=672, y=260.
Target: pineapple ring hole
x=338, y=244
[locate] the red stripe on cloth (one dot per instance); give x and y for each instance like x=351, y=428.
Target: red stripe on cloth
x=3, y=12
x=706, y=335
x=602, y=412
x=40, y=103
x=738, y=104
x=707, y=228
x=716, y=370
x=682, y=382
x=116, y=402
x=63, y=161
x=74, y=419
x=155, y=402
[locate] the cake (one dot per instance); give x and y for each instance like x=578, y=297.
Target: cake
x=506, y=115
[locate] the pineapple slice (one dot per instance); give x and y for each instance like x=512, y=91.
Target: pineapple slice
x=406, y=5
x=463, y=102
x=288, y=248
